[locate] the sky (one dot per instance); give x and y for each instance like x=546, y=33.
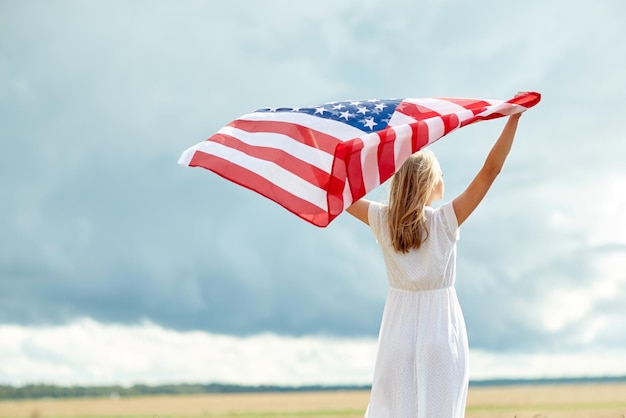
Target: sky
x=117, y=265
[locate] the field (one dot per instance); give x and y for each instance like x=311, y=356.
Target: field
x=560, y=401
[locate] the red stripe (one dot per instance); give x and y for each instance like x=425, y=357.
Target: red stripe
x=302, y=134
x=469, y=104
x=300, y=168
x=477, y=118
x=337, y=182
x=473, y=119
x=527, y=100
x=354, y=169
x=417, y=112
x=419, y=137
x=386, y=154
x=261, y=185
x=450, y=122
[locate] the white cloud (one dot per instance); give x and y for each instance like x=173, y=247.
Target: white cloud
x=88, y=352
x=583, y=363
x=591, y=206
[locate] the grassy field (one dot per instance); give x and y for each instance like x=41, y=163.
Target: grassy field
x=561, y=401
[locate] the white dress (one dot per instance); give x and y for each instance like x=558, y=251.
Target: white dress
x=422, y=366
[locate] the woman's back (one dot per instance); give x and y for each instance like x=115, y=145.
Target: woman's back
x=430, y=267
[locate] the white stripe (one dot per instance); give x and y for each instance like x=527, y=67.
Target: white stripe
x=347, y=195
x=441, y=106
x=313, y=156
x=339, y=130
x=491, y=102
x=399, y=119
x=504, y=108
x=402, y=146
x=463, y=116
x=435, y=129
x=270, y=171
x=369, y=161
x=186, y=156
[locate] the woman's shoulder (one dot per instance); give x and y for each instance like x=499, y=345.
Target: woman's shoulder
x=378, y=205
x=377, y=216
x=445, y=215
x=377, y=209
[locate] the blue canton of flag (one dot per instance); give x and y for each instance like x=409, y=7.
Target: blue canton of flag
x=369, y=116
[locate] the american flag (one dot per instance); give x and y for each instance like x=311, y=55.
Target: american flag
x=316, y=161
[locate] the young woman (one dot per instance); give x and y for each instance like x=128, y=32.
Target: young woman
x=422, y=364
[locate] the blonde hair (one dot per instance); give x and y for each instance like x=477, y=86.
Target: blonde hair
x=410, y=188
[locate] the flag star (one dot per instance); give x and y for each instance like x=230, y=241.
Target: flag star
x=320, y=110
x=347, y=115
x=362, y=110
x=381, y=106
x=372, y=100
x=369, y=122
x=376, y=111
x=295, y=109
x=338, y=106
x=355, y=103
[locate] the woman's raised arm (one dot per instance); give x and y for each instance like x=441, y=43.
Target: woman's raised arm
x=359, y=210
x=467, y=201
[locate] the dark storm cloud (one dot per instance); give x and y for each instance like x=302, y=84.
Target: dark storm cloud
x=116, y=251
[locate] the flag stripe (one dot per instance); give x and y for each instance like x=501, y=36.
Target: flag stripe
x=436, y=129
x=262, y=185
x=354, y=170
x=421, y=134
x=369, y=162
x=281, y=142
x=298, y=133
x=434, y=106
x=271, y=171
x=400, y=119
x=417, y=111
x=386, y=155
x=284, y=158
x=330, y=127
x=402, y=149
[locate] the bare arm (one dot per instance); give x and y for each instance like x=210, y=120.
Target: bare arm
x=359, y=210
x=467, y=201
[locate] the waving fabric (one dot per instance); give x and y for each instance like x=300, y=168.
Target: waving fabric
x=316, y=160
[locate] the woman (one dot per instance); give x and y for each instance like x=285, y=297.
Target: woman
x=422, y=364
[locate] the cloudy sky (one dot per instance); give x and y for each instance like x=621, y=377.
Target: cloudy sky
x=119, y=266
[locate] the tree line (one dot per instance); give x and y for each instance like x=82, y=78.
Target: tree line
x=34, y=391
x=53, y=391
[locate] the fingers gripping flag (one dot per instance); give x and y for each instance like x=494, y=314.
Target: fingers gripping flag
x=316, y=161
